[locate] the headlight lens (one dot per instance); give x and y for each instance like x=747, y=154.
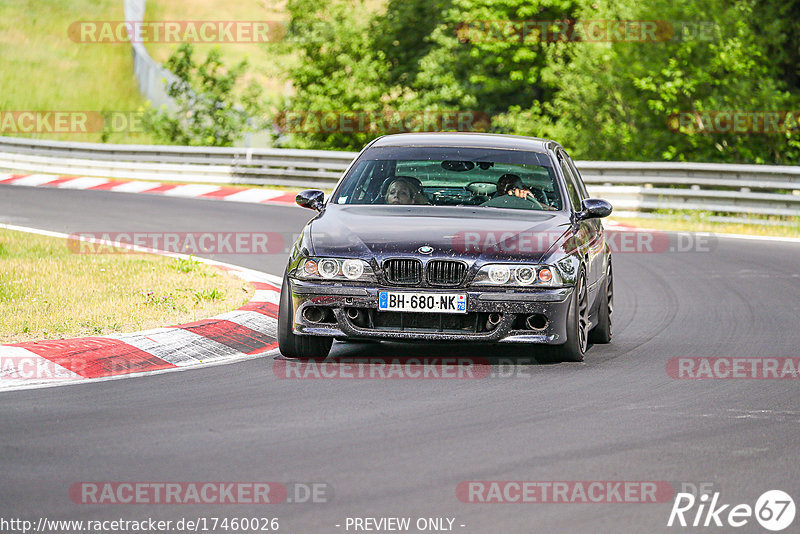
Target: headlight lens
x=352, y=269
x=503, y=274
x=499, y=274
x=525, y=276
x=328, y=268
x=334, y=269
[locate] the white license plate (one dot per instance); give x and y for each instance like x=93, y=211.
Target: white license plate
x=405, y=301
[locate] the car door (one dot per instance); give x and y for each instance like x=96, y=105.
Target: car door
x=590, y=231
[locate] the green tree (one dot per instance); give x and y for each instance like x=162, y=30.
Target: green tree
x=619, y=100
x=338, y=72
x=209, y=111
x=483, y=58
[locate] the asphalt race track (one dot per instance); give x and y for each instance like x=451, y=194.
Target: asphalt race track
x=399, y=448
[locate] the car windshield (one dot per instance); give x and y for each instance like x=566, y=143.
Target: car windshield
x=436, y=176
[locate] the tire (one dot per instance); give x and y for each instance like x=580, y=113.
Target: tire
x=577, y=324
x=292, y=345
x=602, y=332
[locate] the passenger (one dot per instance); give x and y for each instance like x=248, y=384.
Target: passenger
x=403, y=190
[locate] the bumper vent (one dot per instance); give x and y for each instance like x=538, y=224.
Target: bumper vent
x=403, y=271
x=445, y=273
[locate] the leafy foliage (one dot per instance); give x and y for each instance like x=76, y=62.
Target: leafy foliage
x=615, y=99
x=209, y=111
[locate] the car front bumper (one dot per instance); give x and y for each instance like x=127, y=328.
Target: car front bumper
x=334, y=301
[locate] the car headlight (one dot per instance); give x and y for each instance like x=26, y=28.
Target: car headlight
x=504, y=274
x=334, y=269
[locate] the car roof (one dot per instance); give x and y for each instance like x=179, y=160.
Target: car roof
x=466, y=140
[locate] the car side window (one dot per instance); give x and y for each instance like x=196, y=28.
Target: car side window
x=578, y=178
x=569, y=180
x=371, y=176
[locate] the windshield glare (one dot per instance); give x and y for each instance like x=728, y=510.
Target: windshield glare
x=452, y=177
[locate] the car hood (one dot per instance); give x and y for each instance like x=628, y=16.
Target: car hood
x=468, y=233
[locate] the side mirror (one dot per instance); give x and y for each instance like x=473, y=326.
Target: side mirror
x=594, y=208
x=311, y=199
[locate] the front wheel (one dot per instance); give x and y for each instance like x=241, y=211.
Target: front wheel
x=577, y=324
x=290, y=344
x=602, y=332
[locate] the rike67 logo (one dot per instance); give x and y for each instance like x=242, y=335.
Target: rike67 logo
x=774, y=510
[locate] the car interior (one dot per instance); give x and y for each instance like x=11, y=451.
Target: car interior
x=460, y=183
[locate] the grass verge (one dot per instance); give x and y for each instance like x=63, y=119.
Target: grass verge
x=48, y=292
x=679, y=224
x=42, y=69
x=268, y=61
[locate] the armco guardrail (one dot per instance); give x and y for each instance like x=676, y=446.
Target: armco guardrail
x=630, y=186
x=303, y=168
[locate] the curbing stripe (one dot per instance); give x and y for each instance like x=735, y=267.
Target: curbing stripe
x=264, y=308
x=266, y=296
x=230, y=334
x=94, y=357
x=85, y=182
x=191, y=190
x=286, y=198
x=18, y=362
x=33, y=180
x=204, y=191
x=135, y=187
x=254, y=195
x=221, y=193
x=59, y=182
x=161, y=189
x=253, y=320
x=178, y=346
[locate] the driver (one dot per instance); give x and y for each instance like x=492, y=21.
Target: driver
x=511, y=184
x=403, y=190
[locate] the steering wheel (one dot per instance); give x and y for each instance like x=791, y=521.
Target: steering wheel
x=512, y=201
x=483, y=189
